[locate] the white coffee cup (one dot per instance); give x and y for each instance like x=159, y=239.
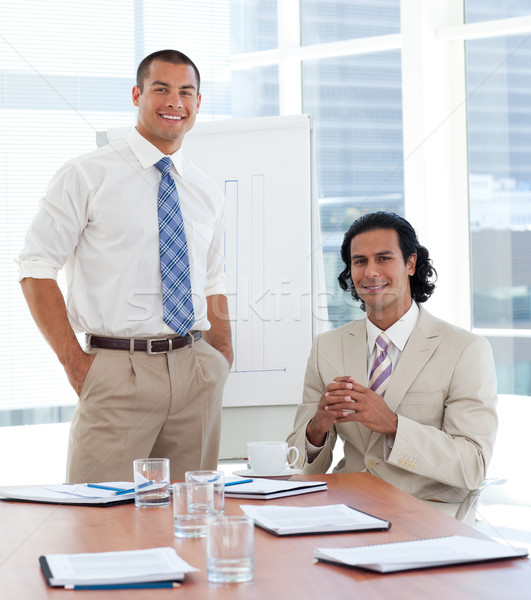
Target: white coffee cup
x=270, y=458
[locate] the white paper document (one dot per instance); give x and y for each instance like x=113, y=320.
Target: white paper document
x=419, y=554
x=293, y=520
x=73, y=493
x=265, y=489
x=108, y=568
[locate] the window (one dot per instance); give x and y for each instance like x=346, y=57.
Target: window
x=486, y=10
x=66, y=71
x=53, y=98
x=357, y=105
x=342, y=61
x=254, y=25
x=338, y=20
x=499, y=134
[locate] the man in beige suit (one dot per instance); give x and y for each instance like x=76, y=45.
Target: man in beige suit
x=433, y=434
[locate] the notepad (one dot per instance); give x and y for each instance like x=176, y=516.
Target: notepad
x=114, y=568
x=296, y=520
x=267, y=489
x=71, y=493
x=419, y=554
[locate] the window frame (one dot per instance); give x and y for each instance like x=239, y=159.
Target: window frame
x=434, y=95
x=434, y=105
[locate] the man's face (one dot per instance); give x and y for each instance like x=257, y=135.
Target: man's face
x=167, y=105
x=380, y=276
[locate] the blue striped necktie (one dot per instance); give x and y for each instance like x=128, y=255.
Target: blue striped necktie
x=177, y=304
x=382, y=368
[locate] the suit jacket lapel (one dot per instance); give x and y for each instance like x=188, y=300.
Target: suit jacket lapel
x=355, y=362
x=420, y=347
x=355, y=351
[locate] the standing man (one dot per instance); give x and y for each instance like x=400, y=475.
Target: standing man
x=140, y=232
x=412, y=397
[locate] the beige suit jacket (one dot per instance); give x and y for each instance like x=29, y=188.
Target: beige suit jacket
x=443, y=390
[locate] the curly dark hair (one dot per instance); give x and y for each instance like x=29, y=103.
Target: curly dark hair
x=422, y=282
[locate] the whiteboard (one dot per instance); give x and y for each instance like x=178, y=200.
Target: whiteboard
x=264, y=168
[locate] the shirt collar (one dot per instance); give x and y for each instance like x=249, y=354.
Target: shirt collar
x=148, y=154
x=398, y=333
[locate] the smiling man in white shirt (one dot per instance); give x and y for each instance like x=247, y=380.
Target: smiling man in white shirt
x=428, y=423
x=143, y=389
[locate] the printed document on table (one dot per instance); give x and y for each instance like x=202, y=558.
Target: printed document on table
x=102, y=568
x=420, y=554
x=294, y=520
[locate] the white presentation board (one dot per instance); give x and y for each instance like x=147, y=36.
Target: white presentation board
x=264, y=168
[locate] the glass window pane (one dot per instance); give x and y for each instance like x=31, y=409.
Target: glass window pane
x=513, y=364
x=253, y=25
x=255, y=92
x=338, y=20
x=200, y=29
x=357, y=105
x=65, y=38
x=488, y=10
x=53, y=99
x=499, y=131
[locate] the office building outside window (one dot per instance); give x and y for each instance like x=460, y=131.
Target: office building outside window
x=499, y=139
x=83, y=84
x=55, y=96
x=356, y=102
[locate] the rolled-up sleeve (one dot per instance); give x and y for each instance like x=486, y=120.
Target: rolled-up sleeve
x=55, y=230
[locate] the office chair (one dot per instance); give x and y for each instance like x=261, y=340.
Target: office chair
x=467, y=510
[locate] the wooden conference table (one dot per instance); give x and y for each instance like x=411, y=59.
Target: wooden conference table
x=284, y=567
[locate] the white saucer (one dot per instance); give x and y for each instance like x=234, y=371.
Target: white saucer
x=285, y=473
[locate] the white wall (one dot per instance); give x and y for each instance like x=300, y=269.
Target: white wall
x=36, y=454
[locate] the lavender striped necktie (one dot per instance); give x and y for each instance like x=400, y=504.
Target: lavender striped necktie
x=177, y=304
x=382, y=368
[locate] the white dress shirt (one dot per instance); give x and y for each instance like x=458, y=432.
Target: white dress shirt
x=398, y=334
x=99, y=220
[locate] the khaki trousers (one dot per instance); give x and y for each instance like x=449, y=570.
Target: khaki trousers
x=138, y=405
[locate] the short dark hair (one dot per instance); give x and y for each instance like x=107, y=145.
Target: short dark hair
x=171, y=56
x=422, y=282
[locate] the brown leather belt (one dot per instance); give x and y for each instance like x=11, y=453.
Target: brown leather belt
x=151, y=346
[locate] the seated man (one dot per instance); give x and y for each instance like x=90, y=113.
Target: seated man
x=412, y=397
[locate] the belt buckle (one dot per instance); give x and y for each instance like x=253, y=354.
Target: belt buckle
x=150, y=350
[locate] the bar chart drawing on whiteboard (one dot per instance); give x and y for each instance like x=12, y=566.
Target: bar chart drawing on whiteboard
x=245, y=265
x=263, y=166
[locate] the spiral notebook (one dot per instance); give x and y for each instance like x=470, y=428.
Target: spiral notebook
x=419, y=554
